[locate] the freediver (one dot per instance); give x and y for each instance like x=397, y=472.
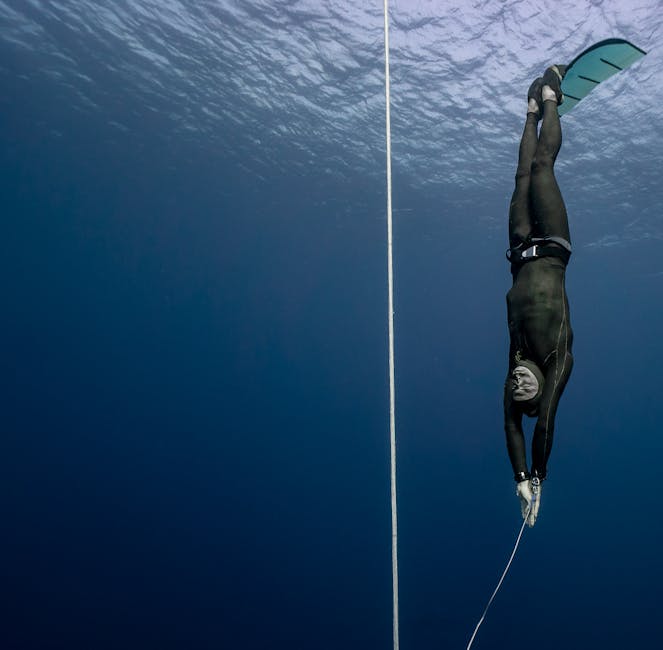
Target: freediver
x=540, y=359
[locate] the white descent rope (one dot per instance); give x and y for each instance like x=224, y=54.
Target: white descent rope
x=392, y=400
x=499, y=584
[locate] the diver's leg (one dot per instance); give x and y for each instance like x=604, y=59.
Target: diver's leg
x=520, y=225
x=548, y=209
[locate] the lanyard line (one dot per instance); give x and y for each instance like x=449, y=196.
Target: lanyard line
x=499, y=584
x=392, y=400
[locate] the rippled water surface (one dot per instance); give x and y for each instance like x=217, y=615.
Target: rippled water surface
x=299, y=86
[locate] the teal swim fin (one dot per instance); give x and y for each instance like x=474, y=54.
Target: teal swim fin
x=596, y=64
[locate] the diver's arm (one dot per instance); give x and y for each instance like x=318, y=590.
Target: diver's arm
x=556, y=375
x=515, y=439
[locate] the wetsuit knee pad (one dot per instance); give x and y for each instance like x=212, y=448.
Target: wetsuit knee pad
x=543, y=163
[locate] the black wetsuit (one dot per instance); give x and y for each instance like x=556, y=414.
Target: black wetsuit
x=538, y=310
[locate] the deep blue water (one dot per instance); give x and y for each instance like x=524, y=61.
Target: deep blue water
x=195, y=410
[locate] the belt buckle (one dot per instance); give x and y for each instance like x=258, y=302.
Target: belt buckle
x=530, y=252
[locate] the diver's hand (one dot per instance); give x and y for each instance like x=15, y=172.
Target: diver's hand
x=535, y=488
x=524, y=493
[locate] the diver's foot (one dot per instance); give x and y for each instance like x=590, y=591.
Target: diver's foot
x=552, y=83
x=534, y=98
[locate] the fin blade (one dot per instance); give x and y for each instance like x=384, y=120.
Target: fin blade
x=596, y=64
